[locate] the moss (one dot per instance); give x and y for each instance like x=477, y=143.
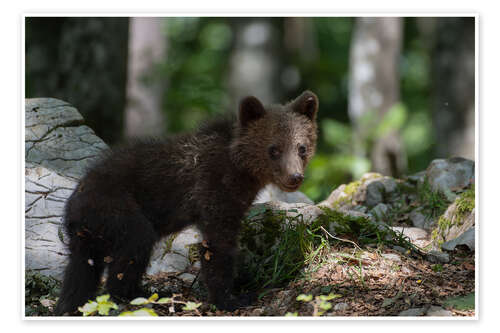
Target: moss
x=466, y=202
x=351, y=188
x=444, y=223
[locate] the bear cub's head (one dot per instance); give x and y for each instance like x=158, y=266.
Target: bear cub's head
x=275, y=143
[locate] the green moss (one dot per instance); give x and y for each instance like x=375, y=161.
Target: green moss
x=466, y=202
x=444, y=223
x=351, y=188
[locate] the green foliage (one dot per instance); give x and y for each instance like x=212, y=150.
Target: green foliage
x=198, y=53
x=320, y=303
x=143, y=312
x=102, y=305
x=467, y=201
x=434, y=203
x=38, y=287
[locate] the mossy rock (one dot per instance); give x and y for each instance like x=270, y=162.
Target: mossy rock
x=458, y=219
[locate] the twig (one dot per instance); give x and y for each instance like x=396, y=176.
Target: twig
x=340, y=239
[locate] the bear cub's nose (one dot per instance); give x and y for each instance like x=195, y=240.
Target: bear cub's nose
x=295, y=179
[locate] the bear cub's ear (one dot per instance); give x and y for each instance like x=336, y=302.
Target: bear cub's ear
x=251, y=109
x=307, y=104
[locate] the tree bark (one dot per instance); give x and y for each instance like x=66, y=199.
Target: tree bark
x=82, y=60
x=254, y=66
x=374, y=87
x=453, y=70
x=147, y=48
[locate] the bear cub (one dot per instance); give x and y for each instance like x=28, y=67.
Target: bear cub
x=139, y=193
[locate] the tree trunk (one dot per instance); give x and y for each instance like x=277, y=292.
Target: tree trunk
x=147, y=48
x=254, y=65
x=374, y=87
x=453, y=69
x=82, y=60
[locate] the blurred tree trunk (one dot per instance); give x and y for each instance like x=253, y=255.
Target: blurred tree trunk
x=453, y=69
x=145, y=88
x=254, y=66
x=81, y=60
x=374, y=87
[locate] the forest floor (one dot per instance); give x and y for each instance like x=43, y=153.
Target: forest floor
x=355, y=282
x=343, y=281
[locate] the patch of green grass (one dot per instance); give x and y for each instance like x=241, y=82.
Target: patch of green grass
x=434, y=203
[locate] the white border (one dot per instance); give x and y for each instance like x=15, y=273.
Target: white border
x=247, y=14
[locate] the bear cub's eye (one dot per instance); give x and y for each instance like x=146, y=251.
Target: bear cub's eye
x=302, y=150
x=274, y=152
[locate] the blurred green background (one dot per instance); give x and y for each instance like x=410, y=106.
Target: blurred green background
x=155, y=76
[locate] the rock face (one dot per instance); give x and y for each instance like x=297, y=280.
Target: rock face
x=450, y=175
x=58, y=148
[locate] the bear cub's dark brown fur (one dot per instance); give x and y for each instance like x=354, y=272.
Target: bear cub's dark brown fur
x=139, y=193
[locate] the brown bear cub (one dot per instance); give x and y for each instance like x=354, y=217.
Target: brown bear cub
x=137, y=194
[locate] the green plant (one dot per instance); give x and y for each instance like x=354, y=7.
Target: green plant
x=154, y=299
x=320, y=303
x=434, y=203
x=38, y=288
x=101, y=306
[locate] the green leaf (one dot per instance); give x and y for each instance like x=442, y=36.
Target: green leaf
x=325, y=305
x=153, y=297
x=139, y=313
x=291, y=314
x=304, y=297
x=103, y=308
x=139, y=301
x=102, y=298
x=329, y=297
x=191, y=306
x=164, y=300
x=89, y=308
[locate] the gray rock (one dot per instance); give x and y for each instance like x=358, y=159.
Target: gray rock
x=56, y=138
x=184, y=239
x=272, y=193
x=341, y=307
x=438, y=257
x=45, y=195
x=380, y=211
x=58, y=148
x=374, y=194
x=455, y=224
x=187, y=277
x=417, y=178
x=415, y=312
x=391, y=256
x=437, y=311
x=417, y=236
x=450, y=175
x=335, y=198
x=419, y=220
x=170, y=262
x=467, y=238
